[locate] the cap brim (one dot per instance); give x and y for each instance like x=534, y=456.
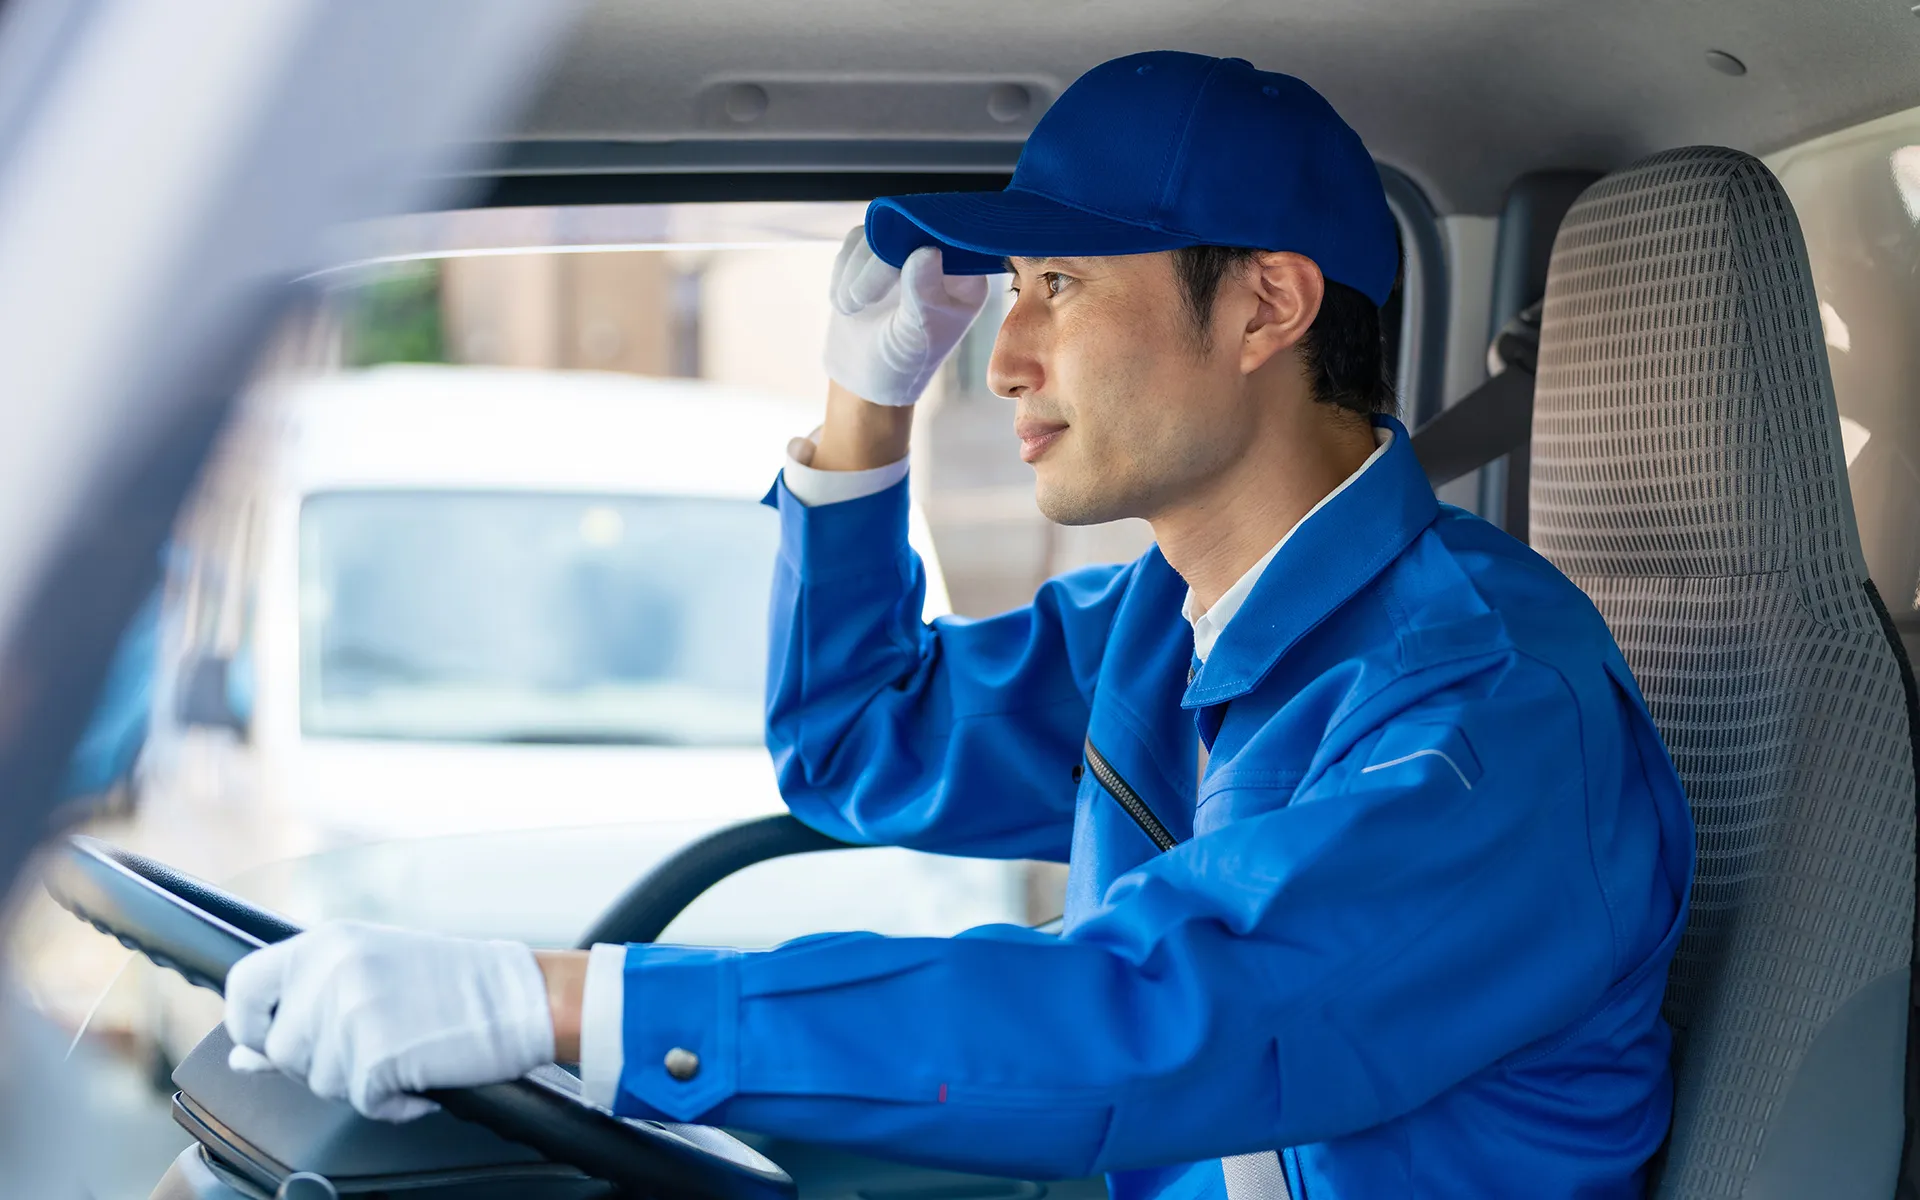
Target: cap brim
x=978, y=231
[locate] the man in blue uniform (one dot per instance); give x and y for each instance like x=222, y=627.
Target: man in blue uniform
x=1377, y=861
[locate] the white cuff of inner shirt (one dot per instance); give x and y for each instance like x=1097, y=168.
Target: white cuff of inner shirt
x=603, y=1009
x=813, y=488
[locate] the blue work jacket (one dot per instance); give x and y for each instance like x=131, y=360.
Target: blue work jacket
x=1412, y=931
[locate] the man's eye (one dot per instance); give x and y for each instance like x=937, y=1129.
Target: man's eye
x=1053, y=281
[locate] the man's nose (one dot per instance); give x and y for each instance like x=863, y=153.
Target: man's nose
x=1014, y=369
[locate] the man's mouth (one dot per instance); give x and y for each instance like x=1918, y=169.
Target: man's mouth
x=1036, y=436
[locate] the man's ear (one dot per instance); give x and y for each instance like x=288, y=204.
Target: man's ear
x=1287, y=289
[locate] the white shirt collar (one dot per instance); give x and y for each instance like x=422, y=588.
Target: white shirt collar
x=1208, y=625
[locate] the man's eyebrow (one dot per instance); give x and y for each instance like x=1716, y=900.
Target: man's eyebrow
x=1013, y=264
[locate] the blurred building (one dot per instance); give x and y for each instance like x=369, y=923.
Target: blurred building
x=599, y=312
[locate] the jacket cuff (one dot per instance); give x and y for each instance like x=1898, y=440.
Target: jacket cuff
x=852, y=537
x=681, y=1047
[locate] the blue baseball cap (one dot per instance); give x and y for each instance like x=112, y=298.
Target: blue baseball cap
x=1161, y=150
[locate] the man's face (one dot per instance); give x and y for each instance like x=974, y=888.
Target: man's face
x=1124, y=408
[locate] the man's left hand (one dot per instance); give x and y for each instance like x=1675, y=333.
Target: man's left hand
x=374, y=1015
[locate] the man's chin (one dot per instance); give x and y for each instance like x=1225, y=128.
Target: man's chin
x=1064, y=504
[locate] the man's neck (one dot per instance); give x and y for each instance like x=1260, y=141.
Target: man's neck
x=1215, y=537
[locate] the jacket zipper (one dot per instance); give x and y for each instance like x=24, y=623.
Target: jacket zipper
x=1150, y=825
x=1129, y=799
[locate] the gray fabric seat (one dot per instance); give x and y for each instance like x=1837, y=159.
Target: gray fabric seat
x=1688, y=474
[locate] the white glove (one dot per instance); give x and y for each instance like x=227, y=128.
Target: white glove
x=892, y=328
x=369, y=1014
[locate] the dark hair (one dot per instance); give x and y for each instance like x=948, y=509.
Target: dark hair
x=1344, y=350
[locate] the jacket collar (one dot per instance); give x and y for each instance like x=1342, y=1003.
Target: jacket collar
x=1329, y=556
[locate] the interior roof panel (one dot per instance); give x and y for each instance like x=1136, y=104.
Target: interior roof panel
x=1463, y=95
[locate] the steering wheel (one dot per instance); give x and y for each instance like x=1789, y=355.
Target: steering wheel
x=200, y=932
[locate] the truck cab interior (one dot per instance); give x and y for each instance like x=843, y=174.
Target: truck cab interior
x=1599, y=185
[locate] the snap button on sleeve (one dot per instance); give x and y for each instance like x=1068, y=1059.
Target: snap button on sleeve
x=682, y=1063
x=682, y=1034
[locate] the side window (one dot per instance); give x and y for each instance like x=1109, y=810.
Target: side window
x=997, y=548
x=1857, y=193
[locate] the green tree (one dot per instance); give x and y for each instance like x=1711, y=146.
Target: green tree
x=395, y=317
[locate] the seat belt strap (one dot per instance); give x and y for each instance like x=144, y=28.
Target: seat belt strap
x=1491, y=421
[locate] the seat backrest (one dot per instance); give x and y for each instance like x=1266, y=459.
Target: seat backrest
x=1688, y=474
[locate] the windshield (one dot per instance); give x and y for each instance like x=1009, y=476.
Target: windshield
x=526, y=617
x=457, y=615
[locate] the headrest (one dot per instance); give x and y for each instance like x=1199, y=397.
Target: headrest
x=1683, y=420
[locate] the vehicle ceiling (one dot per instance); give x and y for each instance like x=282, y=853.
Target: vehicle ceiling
x=1462, y=95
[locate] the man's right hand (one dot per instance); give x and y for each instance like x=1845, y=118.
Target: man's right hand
x=892, y=328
